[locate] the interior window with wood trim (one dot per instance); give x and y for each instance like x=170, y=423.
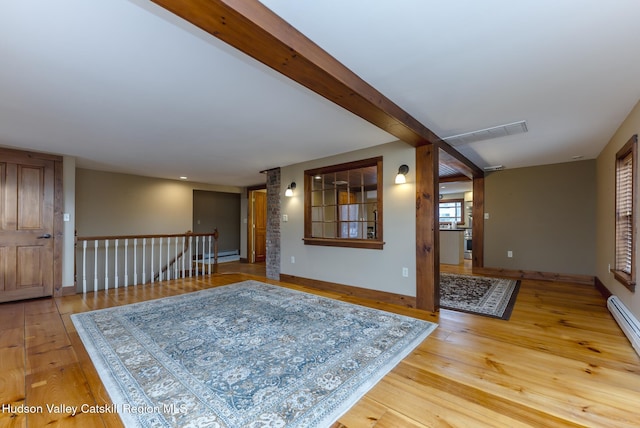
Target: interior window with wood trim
x=343, y=205
x=626, y=170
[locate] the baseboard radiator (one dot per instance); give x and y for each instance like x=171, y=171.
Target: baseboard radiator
x=223, y=256
x=626, y=320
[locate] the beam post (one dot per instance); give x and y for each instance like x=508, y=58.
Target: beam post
x=427, y=229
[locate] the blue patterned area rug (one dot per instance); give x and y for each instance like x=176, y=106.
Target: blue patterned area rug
x=243, y=355
x=492, y=297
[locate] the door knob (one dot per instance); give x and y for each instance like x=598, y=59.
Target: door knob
x=45, y=236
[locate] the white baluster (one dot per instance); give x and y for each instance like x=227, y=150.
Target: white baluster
x=160, y=261
x=183, y=255
x=203, y=254
x=210, y=255
x=197, y=267
x=115, y=263
x=135, y=261
x=126, y=262
x=153, y=274
x=144, y=259
x=168, y=258
x=106, y=264
x=190, y=256
x=175, y=258
x=84, y=266
x=95, y=266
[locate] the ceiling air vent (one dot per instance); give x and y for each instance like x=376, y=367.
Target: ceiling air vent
x=488, y=133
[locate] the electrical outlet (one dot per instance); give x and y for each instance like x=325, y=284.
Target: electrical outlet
x=293, y=259
x=405, y=272
x=509, y=253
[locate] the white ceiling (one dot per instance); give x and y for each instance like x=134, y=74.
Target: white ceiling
x=125, y=86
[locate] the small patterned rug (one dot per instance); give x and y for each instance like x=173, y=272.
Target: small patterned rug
x=243, y=355
x=493, y=297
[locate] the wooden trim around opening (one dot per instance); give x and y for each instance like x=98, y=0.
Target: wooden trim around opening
x=58, y=227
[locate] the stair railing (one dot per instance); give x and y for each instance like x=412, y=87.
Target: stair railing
x=104, y=262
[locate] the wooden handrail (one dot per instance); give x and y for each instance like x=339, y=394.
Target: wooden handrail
x=169, y=235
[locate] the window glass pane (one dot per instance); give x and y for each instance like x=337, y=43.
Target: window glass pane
x=316, y=198
x=330, y=230
x=451, y=211
x=330, y=213
x=317, y=182
x=371, y=230
x=329, y=196
x=316, y=214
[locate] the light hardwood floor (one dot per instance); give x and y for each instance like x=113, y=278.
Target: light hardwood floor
x=560, y=360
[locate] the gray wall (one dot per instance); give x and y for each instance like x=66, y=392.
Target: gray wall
x=374, y=269
x=122, y=204
x=218, y=210
x=545, y=215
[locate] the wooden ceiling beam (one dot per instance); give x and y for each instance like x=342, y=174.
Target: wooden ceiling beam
x=454, y=178
x=255, y=30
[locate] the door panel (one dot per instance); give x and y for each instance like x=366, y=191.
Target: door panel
x=29, y=197
x=28, y=266
x=27, y=219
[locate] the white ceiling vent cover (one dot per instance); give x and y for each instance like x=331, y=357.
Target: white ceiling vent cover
x=488, y=133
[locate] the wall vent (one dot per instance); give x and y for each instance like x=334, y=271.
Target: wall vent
x=488, y=133
x=626, y=320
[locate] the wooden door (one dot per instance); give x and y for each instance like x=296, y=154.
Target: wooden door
x=260, y=226
x=27, y=187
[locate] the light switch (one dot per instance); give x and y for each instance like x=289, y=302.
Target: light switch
x=65, y=217
x=285, y=217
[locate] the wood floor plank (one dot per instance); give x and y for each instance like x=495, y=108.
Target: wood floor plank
x=64, y=397
x=431, y=407
x=365, y=413
x=561, y=360
x=11, y=315
x=525, y=380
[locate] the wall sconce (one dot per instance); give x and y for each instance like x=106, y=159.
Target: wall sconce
x=289, y=192
x=401, y=178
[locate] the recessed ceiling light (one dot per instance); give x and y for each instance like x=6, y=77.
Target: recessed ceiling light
x=576, y=157
x=183, y=178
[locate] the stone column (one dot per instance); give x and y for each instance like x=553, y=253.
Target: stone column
x=273, y=224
